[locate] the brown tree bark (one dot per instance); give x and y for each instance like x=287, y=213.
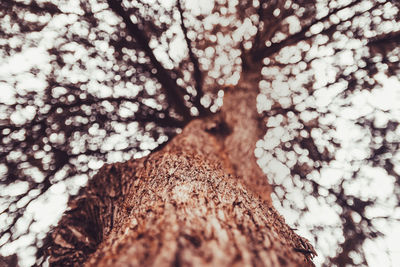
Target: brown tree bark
x=199, y=201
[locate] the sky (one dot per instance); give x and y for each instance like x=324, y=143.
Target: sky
x=48, y=208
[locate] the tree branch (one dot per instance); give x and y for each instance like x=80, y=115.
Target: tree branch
x=301, y=35
x=173, y=91
x=385, y=39
x=260, y=14
x=34, y=7
x=198, y=76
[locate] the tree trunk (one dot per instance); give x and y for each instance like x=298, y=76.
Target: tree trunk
x=201, y=200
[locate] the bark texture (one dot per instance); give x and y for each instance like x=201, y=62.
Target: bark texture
x=200, y=201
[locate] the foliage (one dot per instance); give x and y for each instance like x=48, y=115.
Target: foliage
x=98, y=81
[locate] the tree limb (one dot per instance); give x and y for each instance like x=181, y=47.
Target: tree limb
x=34, y=7
x=173, y=91
x=198, y=76
x=295, y=38
x=385, y=39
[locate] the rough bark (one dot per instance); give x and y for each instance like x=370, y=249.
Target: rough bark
x=200, y=201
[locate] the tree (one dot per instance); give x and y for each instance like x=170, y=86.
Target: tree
x=118, y=85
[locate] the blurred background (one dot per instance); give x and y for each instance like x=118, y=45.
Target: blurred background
x=82, y=84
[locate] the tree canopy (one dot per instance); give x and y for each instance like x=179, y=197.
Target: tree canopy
x=88, y=82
